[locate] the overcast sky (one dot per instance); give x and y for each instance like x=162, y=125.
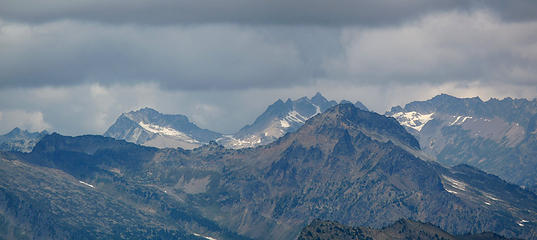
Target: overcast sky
x=75, y=66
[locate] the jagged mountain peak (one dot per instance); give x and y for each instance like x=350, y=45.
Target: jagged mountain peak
x=318, y=95
x=23, y=132
x=20, y=140
x=15, y=131
x=361, y=106
x=278, y=119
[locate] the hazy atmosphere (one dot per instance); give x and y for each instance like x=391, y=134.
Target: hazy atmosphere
x=75, y=66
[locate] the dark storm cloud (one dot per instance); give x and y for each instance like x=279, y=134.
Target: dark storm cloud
x=309, y=12
x=444, y=47
x=202, y=57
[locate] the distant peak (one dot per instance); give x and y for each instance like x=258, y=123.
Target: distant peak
x=344, y=107
x=147, y=109
x=443, y=96
x=318, y=97
x=396, y=109
x=388, y=127
x=279, y=101
x=303, y=99
x=16, y=130
x=343, y=110
x=361, y=106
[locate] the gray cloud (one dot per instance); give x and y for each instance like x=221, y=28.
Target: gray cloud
x=32, y=121
x=309, y=12
x=232, y=11
x=73, y=67
x=448, y=47
x=444, y=47
x=209, y=56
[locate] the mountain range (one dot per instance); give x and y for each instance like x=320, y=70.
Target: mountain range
x=151, y=128
x=357, y=167
x=497, y=136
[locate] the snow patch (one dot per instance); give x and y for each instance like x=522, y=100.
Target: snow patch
x=166, y=131
x=317, y=109
x=458, y=120
x=413, y=119
x=87, y=184
x=236, y=143
x=450, y=191
x=199, y=235
x=284, y=123
x=294, y=116
x=455, y=184
x=490, y=196
x=521, y=222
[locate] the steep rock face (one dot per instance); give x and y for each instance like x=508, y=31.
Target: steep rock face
x=402, y=229
x=20, y=140
x=151, y=128
x=497, y=136
x=356, y=167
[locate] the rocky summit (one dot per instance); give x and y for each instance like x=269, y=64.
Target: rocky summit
x=357, y=167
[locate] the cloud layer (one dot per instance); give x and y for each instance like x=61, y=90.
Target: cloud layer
x=302, y=12
x=210, y=56
x=449, y=47
x=74, y=66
